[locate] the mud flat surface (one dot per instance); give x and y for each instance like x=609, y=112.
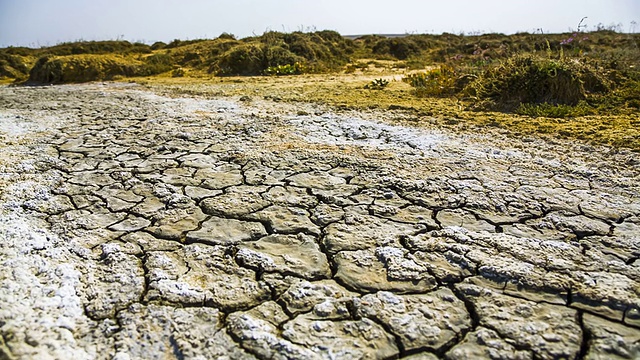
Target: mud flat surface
x=138, y=224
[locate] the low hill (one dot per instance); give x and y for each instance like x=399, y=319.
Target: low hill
x=321, y=51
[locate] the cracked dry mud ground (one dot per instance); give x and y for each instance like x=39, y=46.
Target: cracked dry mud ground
x=137, y=225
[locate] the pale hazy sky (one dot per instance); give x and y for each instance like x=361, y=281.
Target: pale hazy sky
x=47, y=22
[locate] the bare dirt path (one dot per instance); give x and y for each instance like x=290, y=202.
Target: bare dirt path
x=138, y=225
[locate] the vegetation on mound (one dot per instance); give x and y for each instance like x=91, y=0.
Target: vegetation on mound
x=12, y=66
x=530, y=79
x=253, y=59
x=539, y=84
x=328, y=51
x=317, y=52
x=17, y=62
x=99, y=47
x=83, y=68
x=83, y=47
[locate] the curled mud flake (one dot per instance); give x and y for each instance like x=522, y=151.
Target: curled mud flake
x=222, y=231
x=286, y=220
x=448, y=267
x=199, y=193
x=149, y=207
x=580, y=225
x=298, y=255
x=463, y=219
x=317, y=180
x=218, y=179
x=198, y=273
x=325, y=214
x=172, y=224
x=131, y=223
x=290, y=196
x=114, y=283
x=91, y=178
x=233, y=204
x=604, y=293
x=52, y=206
x=148, y=242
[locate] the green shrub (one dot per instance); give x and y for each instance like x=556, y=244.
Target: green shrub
x=320, y=51
x=158, y=63
x=301, y=45
x=377, y=84
x=280, y=56
x=289, y=69
x=245, y=59
x=440, y=81
x=256, y=59
x=530, y=79
x=12, y=66
x=178, y=72
x=18, y=50
x=8, y=72
x=327, y=50
x=220, y=46
x=554, y=111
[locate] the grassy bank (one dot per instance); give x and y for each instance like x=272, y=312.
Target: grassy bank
x=347, y=92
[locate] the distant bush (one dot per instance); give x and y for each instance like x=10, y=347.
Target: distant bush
x=158, y=45
x=483, y=64
x=226, y=36
x=83, y=68
x=400, y=48
x=279, y=56
x=320, y=51
x=22, y=51
x=219, y=47
x=325, y=50
x=178, y=43
x=98, y=47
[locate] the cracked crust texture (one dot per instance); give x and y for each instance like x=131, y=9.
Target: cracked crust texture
x=140, y=224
